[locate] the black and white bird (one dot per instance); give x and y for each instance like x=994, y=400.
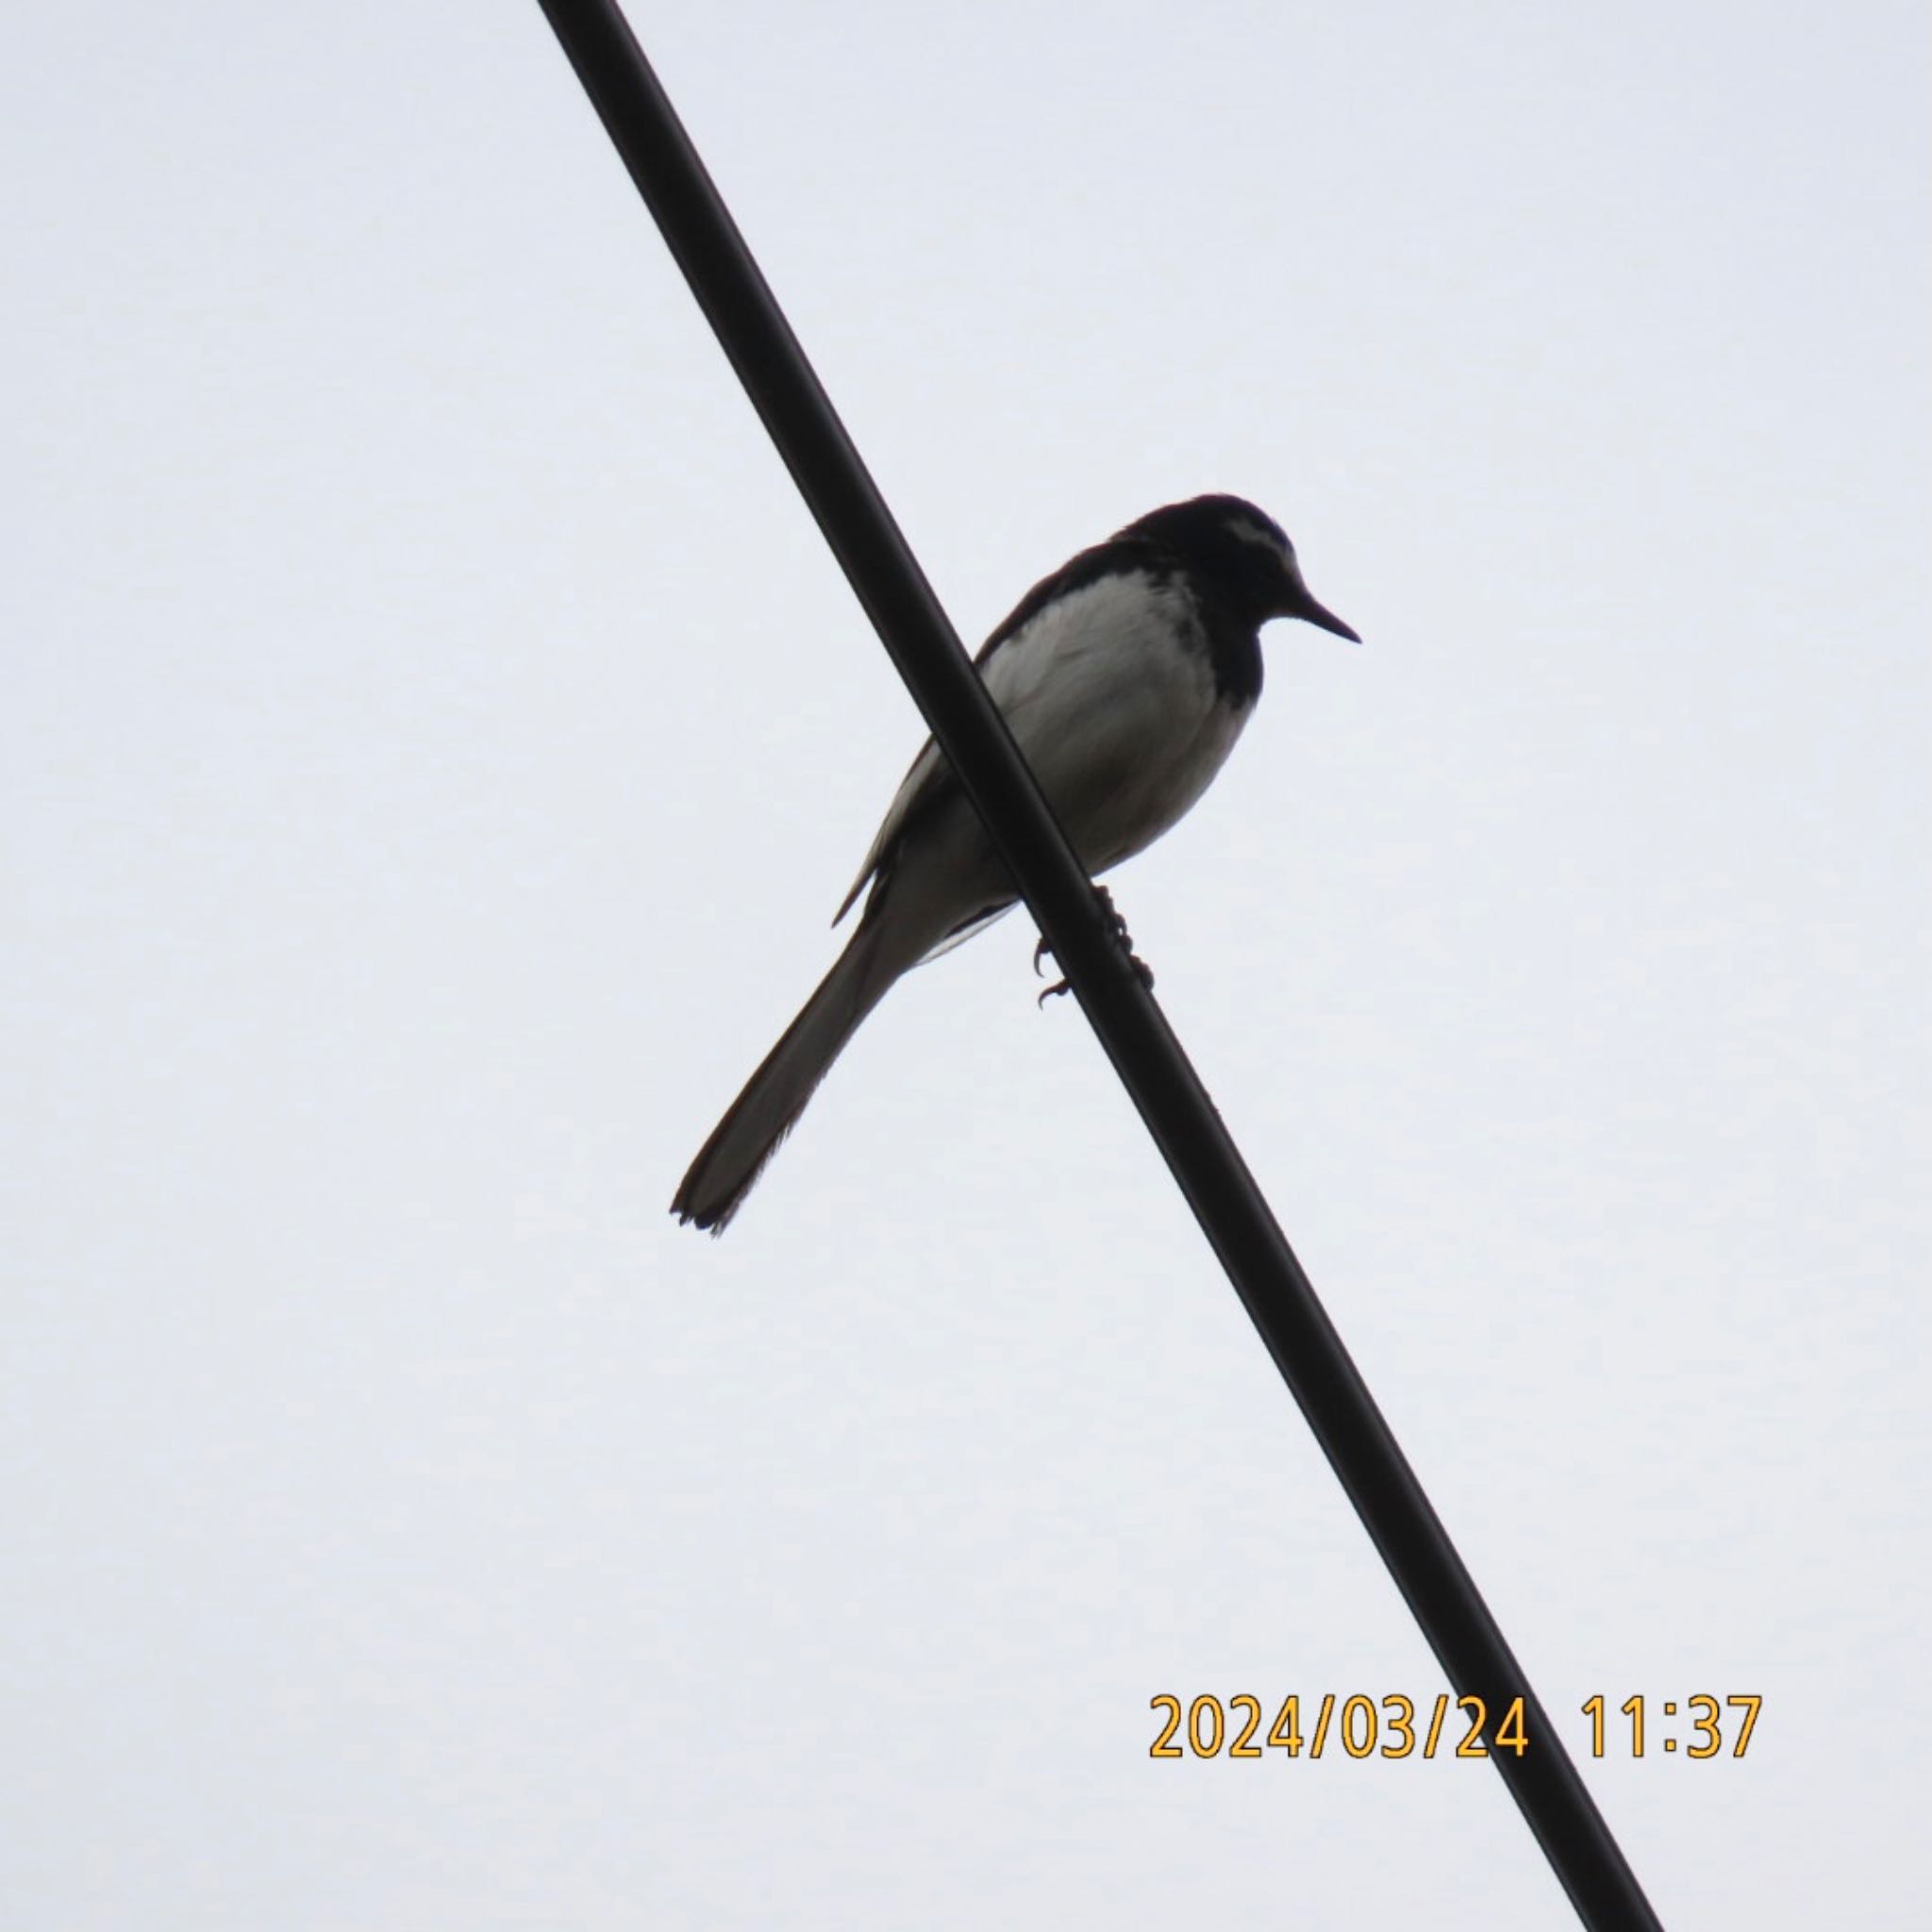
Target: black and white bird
x=1125, y=678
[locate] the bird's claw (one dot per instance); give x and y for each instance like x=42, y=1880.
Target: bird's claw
x=1142, y=971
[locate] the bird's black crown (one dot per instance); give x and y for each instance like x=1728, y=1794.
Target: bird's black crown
x=1238, y=557
x=1230, y=548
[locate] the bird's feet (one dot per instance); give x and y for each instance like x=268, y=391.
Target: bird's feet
x=1141, y=967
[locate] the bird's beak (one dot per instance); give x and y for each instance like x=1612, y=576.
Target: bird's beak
x=1305, y=606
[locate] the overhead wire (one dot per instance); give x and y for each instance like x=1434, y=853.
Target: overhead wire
x=1219, y=1187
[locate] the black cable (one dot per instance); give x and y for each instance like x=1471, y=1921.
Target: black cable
x=1212, y=1175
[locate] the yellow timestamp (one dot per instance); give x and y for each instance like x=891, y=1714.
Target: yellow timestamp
x=1360, y=1726
x=1704, y=1716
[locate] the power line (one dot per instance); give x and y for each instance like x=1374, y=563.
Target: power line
x=1238, y=1222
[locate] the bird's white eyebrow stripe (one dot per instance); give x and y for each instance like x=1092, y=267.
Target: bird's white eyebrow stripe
x=1253, y=533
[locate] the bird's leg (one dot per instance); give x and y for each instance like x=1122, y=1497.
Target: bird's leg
x=1121, y=933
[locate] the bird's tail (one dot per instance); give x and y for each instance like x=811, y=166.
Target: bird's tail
x=774, y=1096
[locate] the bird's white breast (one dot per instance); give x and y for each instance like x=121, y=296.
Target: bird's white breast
x=1111, y=693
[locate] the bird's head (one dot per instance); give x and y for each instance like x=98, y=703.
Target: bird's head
x=1243, y=555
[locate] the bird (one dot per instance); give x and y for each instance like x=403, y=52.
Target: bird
x=1125, y=677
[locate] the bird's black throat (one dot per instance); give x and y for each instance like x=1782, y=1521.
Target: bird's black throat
x=1234, y=646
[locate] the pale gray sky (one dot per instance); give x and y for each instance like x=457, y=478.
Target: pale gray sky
x=437, y=737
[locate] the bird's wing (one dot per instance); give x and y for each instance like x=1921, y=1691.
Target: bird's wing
x=1014, y=663
x=919, y=782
